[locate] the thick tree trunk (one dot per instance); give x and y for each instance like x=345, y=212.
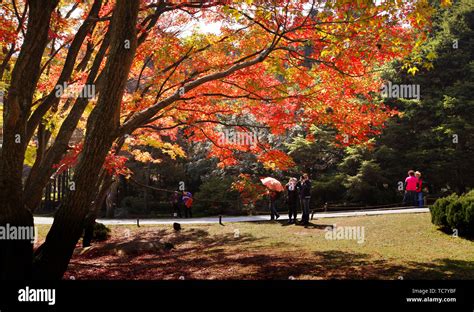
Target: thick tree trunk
x=16, y=255
x=52, y=260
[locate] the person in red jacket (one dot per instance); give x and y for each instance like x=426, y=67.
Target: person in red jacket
x=419, y=189
x=410, y=189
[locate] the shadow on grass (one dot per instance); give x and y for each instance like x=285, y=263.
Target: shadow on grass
x=451, y=232
x=199, y=255
x=441, y=269
x=310, y=225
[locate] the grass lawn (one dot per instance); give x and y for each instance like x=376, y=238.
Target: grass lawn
x=398, y=246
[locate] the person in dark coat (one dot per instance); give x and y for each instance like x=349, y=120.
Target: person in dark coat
x=175, y=201
x=292, y=198
x=305, y=195
x=300, y=194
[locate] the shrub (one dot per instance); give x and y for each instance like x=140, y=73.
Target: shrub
x=468, y=206
x=327, y=189
x=455, y=212
x=455, y=215
x=101, y=232
x=367, y=185
x=469, y=194
x=216, y=196
x=438, y=210
x=139, y=206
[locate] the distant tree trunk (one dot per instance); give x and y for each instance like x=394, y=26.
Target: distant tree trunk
x=103, y=185
x=111, y=198
x=53, y=258
x=107, y=185
x=146, y=174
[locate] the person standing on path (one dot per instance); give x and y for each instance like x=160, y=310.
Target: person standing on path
x=292, y=197
x=176, y=203
x=187, y=203
x=410, y=189
x=419, y=189
x=305, y=194
x=300, y=193
x=273, y=196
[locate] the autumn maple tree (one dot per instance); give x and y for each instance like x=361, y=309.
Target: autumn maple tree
x=156, y=68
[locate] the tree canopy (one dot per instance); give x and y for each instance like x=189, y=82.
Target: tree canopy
x=140, y=71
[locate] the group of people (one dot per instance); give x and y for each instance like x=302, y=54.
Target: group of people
x=182, y=200
x=413, y=189
x=298, y=193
